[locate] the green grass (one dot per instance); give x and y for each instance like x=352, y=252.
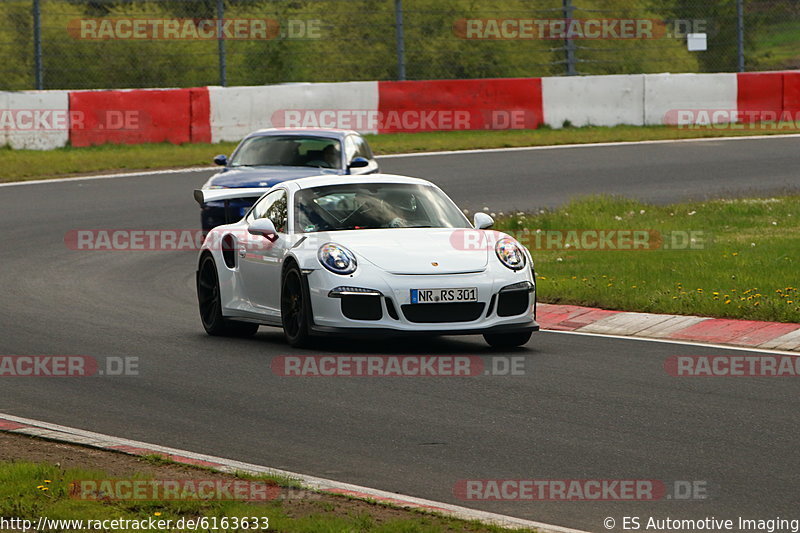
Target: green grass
x=747, y=265
x=778, y=47
x=32, y=490
x=20, y=165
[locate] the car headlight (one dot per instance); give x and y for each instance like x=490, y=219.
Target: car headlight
x=337, y=259
x=510, y=254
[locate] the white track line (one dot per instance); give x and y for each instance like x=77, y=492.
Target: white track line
x=671, y=341
x=427, y=154
x=593, y=145
x=98, y=440
x=108, y=176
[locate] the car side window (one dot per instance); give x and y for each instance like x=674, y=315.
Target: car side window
x=274, y=207
x=362, y=148
x=350, y=148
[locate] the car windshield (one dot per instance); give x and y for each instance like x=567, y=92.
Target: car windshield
x=288, y=151
x=374, y=206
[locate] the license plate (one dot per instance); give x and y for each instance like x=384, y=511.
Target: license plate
x=434, y=296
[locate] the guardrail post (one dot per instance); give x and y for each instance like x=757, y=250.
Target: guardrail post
x=223, y=74
x=740, y=32
x=37, y=45
x=569, y=45
x=400, y=34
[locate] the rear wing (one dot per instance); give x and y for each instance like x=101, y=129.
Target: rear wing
x=203, y=196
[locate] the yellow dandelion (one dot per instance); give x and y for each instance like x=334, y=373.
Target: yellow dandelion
x=40, y=486
x=789, y=302
x=734, y=254
x=47, y=481
x=157, y=513
x=727, y=302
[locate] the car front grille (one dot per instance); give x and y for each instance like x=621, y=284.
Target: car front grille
x=444, y=312
x=512, y=303
x=362, y=307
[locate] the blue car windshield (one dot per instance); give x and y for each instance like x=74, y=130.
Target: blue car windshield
x=375, y=206
x=288, y=151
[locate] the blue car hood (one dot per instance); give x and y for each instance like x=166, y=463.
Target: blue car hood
x=265, y=176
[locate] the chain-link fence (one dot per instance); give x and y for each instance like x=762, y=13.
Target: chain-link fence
x=86, y=44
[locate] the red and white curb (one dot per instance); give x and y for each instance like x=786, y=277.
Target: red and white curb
x=744, y=333
x=45, y=430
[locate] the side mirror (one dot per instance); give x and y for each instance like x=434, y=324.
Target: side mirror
x=482, y=221
x=263, y=227
x=359, y=162
x=221, y=160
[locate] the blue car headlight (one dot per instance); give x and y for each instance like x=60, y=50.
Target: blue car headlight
x=337, y=259
x=510, y=254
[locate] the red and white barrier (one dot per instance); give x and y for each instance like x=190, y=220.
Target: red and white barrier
x=666, y=95
x=45, y=120
x=442, y=105
x=139, y=116
x=34, y=120
x=593, y=100
x=237, y=111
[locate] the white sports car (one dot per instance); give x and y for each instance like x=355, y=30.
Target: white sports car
x=363, y=255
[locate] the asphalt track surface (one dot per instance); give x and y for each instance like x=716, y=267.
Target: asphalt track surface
x=585, y=408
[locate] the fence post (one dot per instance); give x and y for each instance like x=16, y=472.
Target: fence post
x=569, y=46
x=400, y=34
x=223, y=74
x=740, y=32
x=37, y=44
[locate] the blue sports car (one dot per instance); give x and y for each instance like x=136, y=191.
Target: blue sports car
x=270, y=156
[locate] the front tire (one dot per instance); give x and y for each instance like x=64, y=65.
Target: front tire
x=508, y=340
x=295, y=308
x=210, y=303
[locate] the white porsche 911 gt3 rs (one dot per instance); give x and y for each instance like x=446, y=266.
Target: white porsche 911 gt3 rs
x=363, y=255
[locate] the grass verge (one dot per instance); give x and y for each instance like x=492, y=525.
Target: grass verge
x=33, y=489
x=742, y=264
x=21, y=165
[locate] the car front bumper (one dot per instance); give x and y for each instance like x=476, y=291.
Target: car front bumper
x=506, y=303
